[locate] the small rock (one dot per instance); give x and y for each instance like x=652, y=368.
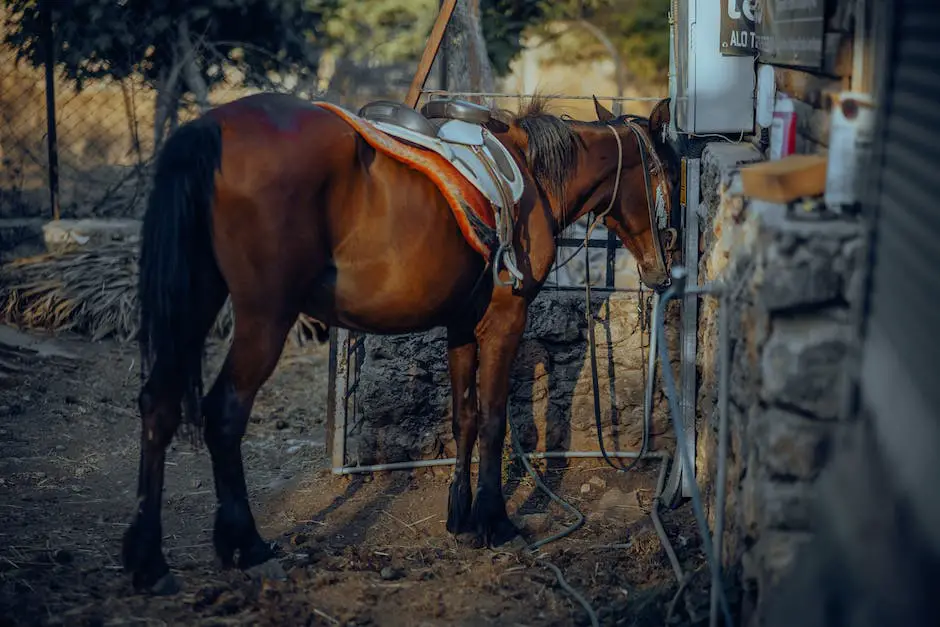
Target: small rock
x=299, y=539
x=390, y=574
x=166, y=586
x=585, y=488
x=619, y=503
x=60, y=447
x=197, y=483
x=71, y=400
x=3, y=432
x=281, y=424
x=271, y=569
x=598, y=482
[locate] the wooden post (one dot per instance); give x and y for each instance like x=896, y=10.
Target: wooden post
x=49, y=45
x=430, y=51
x=443, y=56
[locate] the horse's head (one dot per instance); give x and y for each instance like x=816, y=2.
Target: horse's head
x=616, y=167
x=638, y=210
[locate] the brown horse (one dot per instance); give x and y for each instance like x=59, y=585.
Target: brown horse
x=277, y=203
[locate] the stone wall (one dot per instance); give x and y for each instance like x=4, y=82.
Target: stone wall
x=793, y=284
x=402, y=403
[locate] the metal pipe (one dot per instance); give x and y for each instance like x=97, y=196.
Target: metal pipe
x=486, y=94
x=682, y=448
x=724, y=376
x=450, y=461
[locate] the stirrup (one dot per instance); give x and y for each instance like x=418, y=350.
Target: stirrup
x=505, y=255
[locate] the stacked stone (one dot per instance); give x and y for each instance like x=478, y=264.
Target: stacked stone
x=792, y=341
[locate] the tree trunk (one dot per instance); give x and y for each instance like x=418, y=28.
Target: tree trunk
x=468, y=65
x=167, y=105
x=189, y=61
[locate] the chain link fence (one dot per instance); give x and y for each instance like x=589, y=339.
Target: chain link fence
x=105, y=132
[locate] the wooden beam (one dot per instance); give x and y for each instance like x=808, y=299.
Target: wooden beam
x=785, y=180
x=430, y=51
x=814, y=90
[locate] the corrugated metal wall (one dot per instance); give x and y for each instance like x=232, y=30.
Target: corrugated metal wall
x=900, y=380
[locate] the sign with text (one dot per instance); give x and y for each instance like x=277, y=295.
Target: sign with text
x=785, y=32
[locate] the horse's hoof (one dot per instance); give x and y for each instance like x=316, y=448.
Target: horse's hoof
x=459, y=513
x=259, y=553
x=495, y=534
x=161, y=585
x=492, y=523
x=271, y=570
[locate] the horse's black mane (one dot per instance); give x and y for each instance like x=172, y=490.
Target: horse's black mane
x=553, y=145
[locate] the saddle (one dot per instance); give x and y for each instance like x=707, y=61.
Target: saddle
x=454, y=130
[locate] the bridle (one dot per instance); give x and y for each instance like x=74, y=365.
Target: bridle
x=658, y=208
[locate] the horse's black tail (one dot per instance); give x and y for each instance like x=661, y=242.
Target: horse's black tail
x=177, y=262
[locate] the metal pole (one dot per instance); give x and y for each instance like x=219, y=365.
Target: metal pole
x=724, y=377
x=450, y=461
x=612, y=244
x=689, y=329
x=45, y=9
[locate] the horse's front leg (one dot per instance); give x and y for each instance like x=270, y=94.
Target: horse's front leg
x=462, y=362
x=499, y=334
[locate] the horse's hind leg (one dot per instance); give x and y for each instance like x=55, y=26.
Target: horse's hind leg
x=160, y=416
x=258, y=341
x=160, y=413
x=462, y=362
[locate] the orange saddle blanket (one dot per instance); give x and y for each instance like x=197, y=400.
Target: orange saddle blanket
x=474, y=213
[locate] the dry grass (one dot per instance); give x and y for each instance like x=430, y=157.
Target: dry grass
x=92, y=292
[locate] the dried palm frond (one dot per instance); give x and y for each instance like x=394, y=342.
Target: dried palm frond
x=92, y=292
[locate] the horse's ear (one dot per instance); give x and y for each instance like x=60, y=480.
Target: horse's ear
x=603, y=115
x=659, y=119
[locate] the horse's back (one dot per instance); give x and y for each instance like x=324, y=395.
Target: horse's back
x=270, y=225
x=301, y=205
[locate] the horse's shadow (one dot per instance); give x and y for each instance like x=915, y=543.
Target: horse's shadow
x=550, y=409
x=554, y=398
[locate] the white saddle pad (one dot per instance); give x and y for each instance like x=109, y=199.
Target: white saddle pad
x=465, y=145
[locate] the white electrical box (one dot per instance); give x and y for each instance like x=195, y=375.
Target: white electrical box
x=712, y=93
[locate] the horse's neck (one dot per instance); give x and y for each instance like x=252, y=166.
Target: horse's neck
x=576, y=203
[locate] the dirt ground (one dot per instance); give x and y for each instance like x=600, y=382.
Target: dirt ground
x=360, y=550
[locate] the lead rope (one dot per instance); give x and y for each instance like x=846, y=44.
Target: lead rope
x=589, y=317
